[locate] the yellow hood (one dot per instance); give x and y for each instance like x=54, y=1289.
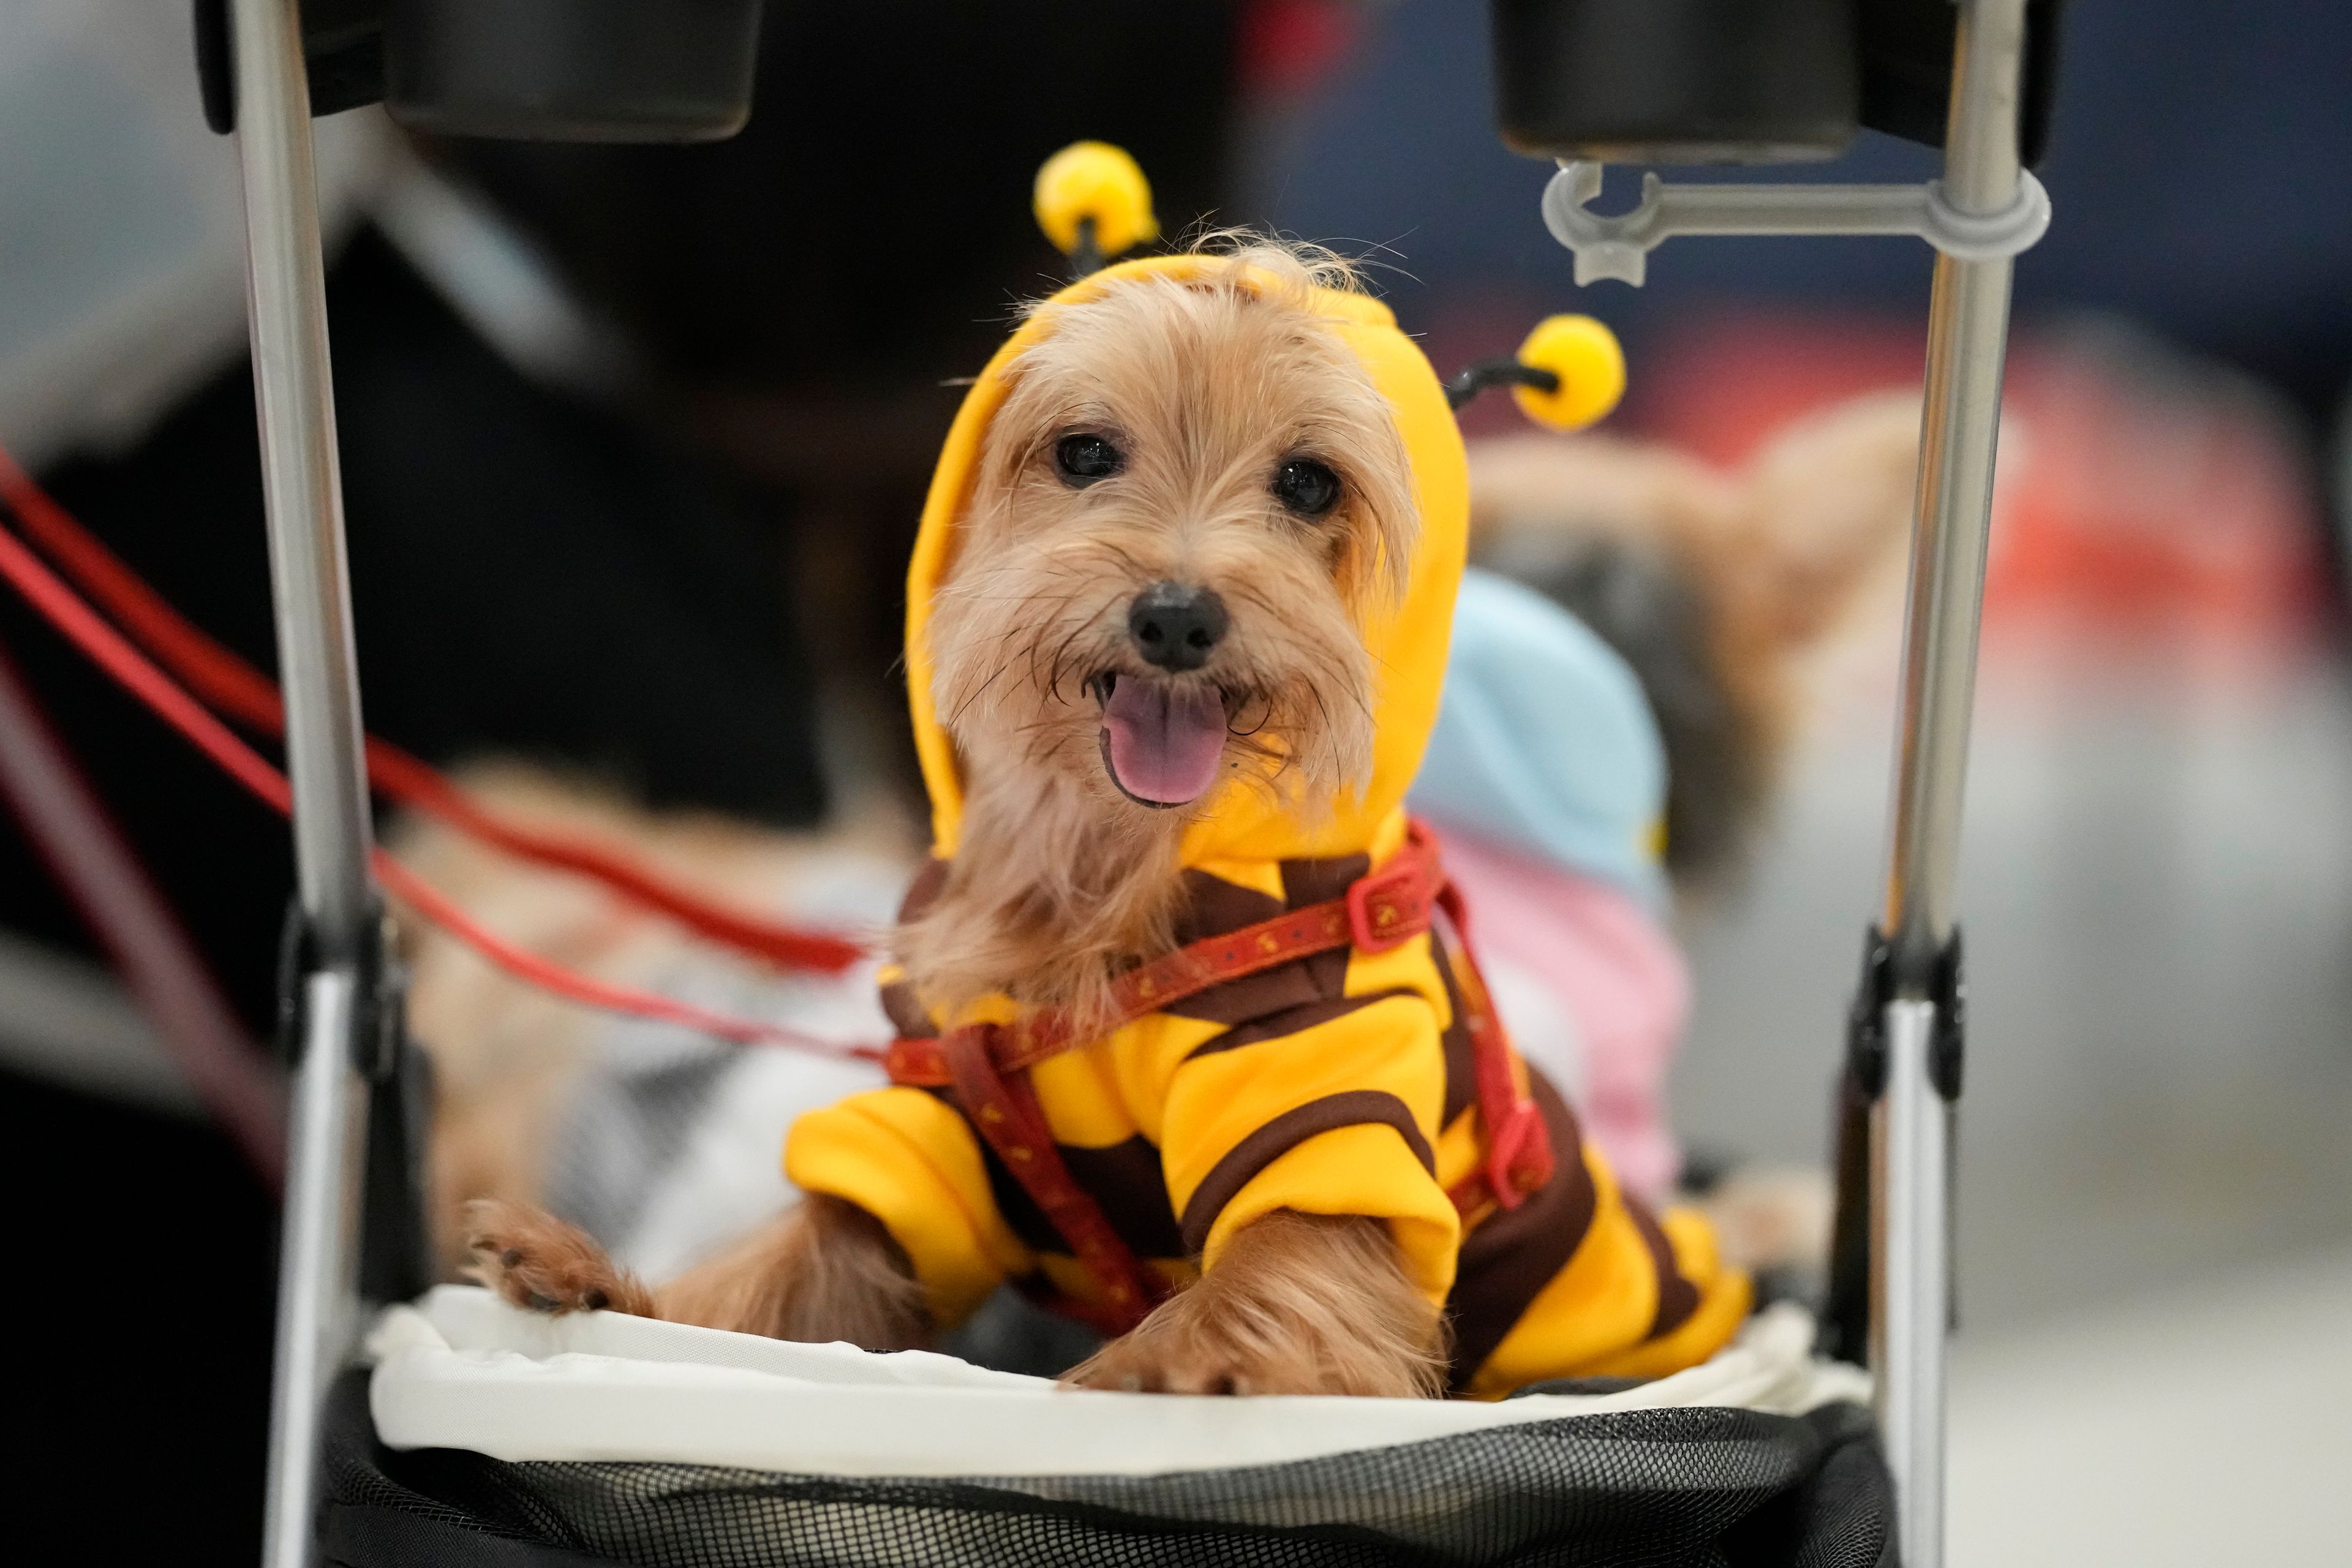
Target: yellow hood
x=1408, y=644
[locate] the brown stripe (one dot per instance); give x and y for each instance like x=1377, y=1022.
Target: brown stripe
x=1306, y=882
x=1252, y=996
x=1124, y=1179
x=1290, y=1021
x=900, y=1004
x=1677, y=1296
x=1512, y=1255
x=1245, y=1160
x=1461, y=1056
x=1214, y=906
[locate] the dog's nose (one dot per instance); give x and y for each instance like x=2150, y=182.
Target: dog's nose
x=1175, y=626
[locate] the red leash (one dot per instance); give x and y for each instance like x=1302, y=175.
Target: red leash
x=98, y=872
x=107, y=648
x=229, y=685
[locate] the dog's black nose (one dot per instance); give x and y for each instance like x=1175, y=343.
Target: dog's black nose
x=1175, y=626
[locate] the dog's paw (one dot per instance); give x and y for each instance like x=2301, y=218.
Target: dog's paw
x=1768, y=1217
x=1299, y=1304
x=1198, y=1358
x=536, y=1261
x=1199, y=1344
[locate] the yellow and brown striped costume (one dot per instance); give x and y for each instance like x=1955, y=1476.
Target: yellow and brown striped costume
x=1338, y=1083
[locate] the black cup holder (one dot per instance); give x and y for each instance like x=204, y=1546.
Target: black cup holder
x=1677, y=81
x=1740, y=82
x=571, y=70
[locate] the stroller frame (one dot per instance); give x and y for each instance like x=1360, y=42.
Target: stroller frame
x=1892, y=1285
x=334, y=1020
x=1904, y=1045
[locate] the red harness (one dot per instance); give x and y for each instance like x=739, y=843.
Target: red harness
x=987, y=1065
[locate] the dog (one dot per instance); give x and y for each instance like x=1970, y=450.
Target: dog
x=1719, y=588
x=1177, y=626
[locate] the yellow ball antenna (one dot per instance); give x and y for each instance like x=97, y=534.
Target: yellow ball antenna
x=1588, y=368
x=1567, y=374
x=1093, y=203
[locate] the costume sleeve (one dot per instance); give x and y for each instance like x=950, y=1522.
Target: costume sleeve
x=1326, y=1108
x=909, y=1159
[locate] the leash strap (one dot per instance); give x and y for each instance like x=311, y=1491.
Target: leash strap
x=139, y=676
x=1003, y=1108
x=230, y=686
x=1518, y=1145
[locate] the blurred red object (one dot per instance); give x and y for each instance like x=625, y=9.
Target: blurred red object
x=2143, y=495
x=1289, y=47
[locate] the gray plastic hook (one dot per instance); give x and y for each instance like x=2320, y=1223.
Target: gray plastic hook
x=1619, y=247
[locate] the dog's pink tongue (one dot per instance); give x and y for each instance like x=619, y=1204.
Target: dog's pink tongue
x=1164, y=743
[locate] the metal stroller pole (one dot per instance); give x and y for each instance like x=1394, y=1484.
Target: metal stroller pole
x=285, y=298
x=1912, y=1122
x=1892, y=1267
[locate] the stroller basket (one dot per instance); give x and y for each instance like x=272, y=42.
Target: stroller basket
x=484, y=1435
x=1702, y=1485
x=485, y=1431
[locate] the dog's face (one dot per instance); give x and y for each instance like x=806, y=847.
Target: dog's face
x=1189, y=501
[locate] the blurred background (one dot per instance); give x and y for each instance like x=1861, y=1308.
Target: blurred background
x=633, y=444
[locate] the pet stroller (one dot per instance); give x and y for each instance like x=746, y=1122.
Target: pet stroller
x=1751, y=1460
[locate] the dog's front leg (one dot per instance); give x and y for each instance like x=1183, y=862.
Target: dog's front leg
x=821, y=1271
x=1297, y=1304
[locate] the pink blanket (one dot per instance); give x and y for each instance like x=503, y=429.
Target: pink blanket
x=1594, y=992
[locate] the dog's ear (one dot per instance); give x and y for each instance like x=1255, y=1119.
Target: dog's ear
x=1712, y=585
x=1823, y=507
x=1019, y=430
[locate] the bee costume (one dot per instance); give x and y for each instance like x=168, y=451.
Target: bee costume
x=1319, y=1044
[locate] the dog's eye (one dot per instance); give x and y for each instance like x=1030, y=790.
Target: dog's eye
x=1082, y=459
x=1306, y=487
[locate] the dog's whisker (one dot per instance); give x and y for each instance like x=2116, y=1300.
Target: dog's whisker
x=957, y=717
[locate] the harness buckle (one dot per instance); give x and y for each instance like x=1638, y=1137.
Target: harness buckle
x=920, y=1060
x=1388, y=908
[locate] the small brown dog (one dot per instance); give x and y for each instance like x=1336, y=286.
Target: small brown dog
x=1107, y=654
x=1720, y=587
x=1177, y=636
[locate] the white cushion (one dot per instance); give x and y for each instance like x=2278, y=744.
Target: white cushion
x=463, y=1370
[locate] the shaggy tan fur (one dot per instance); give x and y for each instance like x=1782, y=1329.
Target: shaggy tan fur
x=1297, y=1304
x=1207, y=386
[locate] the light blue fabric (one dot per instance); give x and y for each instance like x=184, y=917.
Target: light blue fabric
x=1544, y=743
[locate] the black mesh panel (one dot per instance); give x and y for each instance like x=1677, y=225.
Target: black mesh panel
x=1661, y=1487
